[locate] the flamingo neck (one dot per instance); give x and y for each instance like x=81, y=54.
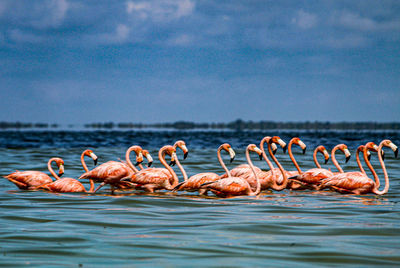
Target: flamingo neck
x=360, y=148
x=128, y=160
x=161, y=156
x=270, y=165
x=222, y=162
x=292, y=157
x=315, y=158
x=183, y=171
x=91, y=189
x=141, y=166
x=285, y=180
x=51, y=169
x=258, y=188
x=334, y=159
x=386, y=189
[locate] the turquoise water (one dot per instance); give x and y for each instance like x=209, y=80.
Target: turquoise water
x=302, y=228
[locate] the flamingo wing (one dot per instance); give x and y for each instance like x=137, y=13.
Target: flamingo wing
x=28, y=179
x=65, y=185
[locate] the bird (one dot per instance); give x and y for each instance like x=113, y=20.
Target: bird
x=149, y=159
x=30, y=179
x=312, y=177
x=244, y=171
x=345, y=150
x=294, y=184
x=357, y=182
x=194, y=182
x=234, y=186
x=68, y=185
x=112, y=172
x=151, y=179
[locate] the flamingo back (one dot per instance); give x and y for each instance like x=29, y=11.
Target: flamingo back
x=65, y=185
x=28, y=179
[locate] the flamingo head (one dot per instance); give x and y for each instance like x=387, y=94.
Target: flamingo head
x=171, y=151
x=274, y=148
x=371, y=146
x=345, y=150
x=391, y=145
x=254, y=148
x=300, y=143
x=277, y=139
x=148, y=157
x=60, y=165
x=182, y=145
x=90, y=153
x=323, y=150
x=227, y=147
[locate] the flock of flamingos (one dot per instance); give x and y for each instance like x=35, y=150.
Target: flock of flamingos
x=245, y=179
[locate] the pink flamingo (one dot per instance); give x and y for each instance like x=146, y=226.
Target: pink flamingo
x=69, y=185
x=112, y=172
x=312, y=177
x=149, y=159
x=29, y=180
x=233, y=186
x=151, y=179
x=178, y=144
x=345, y=150
x=194, y=182
x=244, y=171
x=359, y=183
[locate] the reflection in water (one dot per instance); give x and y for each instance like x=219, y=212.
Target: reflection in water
x=287, y=228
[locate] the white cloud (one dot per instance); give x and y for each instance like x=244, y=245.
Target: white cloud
x=180, y=40
x=355, y=21
x=305, y=20
x=120, y=35
x=50, y=14
x=19, y=36
x=165, y=10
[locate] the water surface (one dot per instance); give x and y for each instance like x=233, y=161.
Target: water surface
x=302, y=228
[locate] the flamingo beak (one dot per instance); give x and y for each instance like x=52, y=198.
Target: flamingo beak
x=326, y=160
x=303, y=146
x=94, y=157
x=369, y=157
x=149, y=160
x=383, y=155
x=348, y=158
x=172, y=163
x=396, y=152
x=304, y=150
x=61, y=170
x=274, y=148
x=231, y=154
x=185, y=155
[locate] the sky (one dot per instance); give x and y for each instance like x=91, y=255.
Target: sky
x=73, y=62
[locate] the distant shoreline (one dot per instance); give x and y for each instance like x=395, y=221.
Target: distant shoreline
x=237, y=125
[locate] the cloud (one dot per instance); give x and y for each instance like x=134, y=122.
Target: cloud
x=19, y=36
x=165, y=10
x=354, y=21
x=305, y=20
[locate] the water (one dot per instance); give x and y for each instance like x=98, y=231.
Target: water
x=302, y=228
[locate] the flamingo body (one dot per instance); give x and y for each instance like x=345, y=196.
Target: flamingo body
x=65, y=185
x=355, y=182
x=232, y=186
x=110, y=172
x=27, y=180
x=314, y=175
x=194, y=182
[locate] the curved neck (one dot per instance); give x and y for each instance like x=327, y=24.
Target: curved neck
x=51, y=169
x=285, y=180
x=315, y=157
x=292, y=157
x=222, y=162
x=87, y=170
x=270, y=165
x=161, y=156
x=128, y=160
x=371, y=168
x=386, y=189
x=362, y=149
x=258, y=188
x=334, y=159
x=140, y=166
x=178, y=163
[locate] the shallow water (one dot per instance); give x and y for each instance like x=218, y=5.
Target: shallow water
x=302, y=228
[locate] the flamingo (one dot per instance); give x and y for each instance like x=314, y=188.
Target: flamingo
x=28, y=180
x=345, y=150
x=245, y=171
x=151, y=179
x=112, y=172
x=194, y=182
x=146, y=154
x=233, y=186
x=294, y=184
x=359, y=183
x=312, y=177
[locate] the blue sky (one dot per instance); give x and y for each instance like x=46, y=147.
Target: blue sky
x=70, y=61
